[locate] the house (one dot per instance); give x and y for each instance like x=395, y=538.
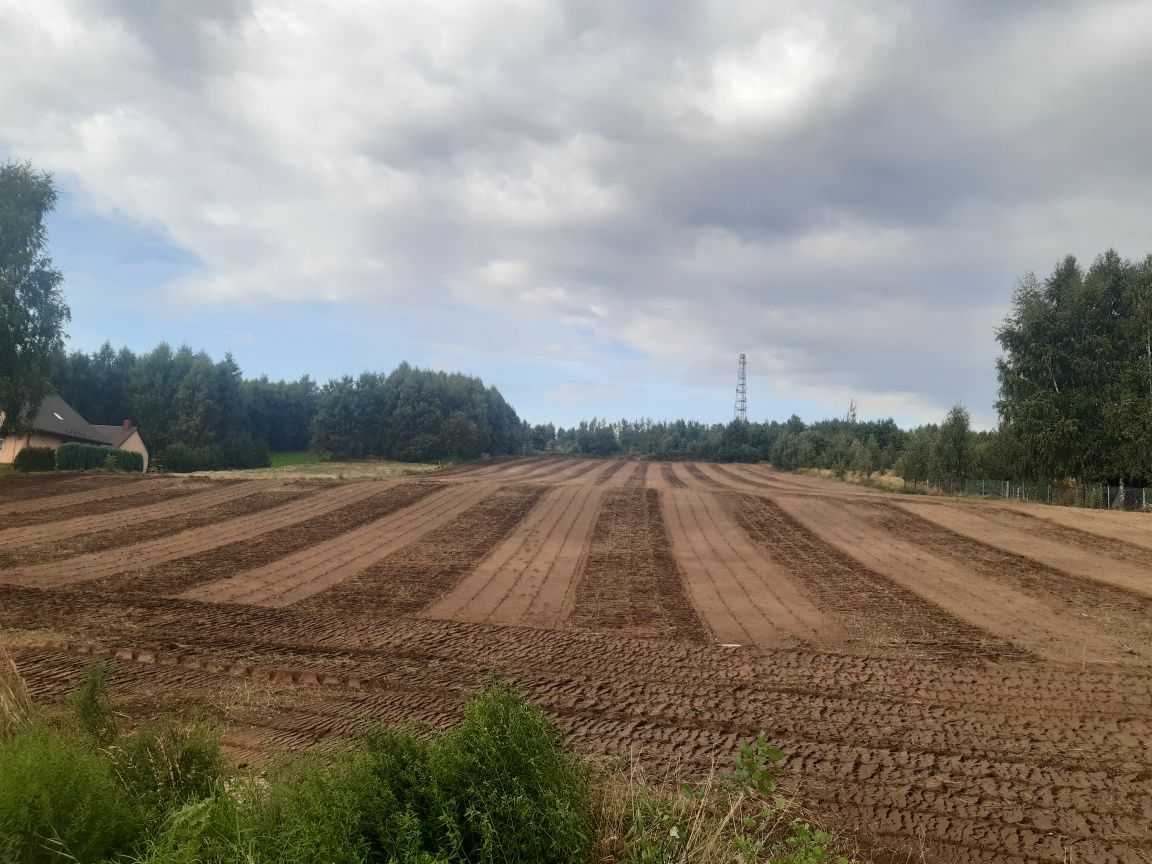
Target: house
x=57, y=423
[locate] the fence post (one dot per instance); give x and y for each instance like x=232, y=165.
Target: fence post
x=1049, y=493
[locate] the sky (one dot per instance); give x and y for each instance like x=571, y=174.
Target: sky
x=595, y=206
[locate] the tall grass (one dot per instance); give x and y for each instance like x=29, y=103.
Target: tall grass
x=498, y=789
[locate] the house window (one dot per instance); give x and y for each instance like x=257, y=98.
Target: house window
x=57, y=416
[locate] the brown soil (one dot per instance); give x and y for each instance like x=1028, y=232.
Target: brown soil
x=98, y=565
x=961, y=685
x=670, y=477
x=53, y=492
x=610, y=471
x=743, y=596
x=872, y=607
x=528, y=579
x=67, y=544
x=382, y=525
x=408, y=580
x=155, y=493
x=630, y=581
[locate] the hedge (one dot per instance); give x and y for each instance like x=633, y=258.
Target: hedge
x=236, y=451
x=35, y=459
x=80, y=457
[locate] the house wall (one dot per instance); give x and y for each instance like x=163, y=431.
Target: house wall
x=13, y=444
x=135, y=444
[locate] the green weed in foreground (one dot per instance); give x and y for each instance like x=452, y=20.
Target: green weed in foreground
x=497, y=789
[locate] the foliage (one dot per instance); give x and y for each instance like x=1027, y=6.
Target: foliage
x=35, y=459
x=32, y=308
x=1076, y=375
x=414, y=415
x=82, y=457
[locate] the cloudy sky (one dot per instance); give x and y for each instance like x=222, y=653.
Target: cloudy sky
x=594, y=205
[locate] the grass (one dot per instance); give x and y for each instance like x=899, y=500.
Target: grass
x=499, y=788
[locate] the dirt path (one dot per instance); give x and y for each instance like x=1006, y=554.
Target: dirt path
x=630, y=581
x=163, y=503
x=743, y=597
x=1078, y=561
x=310, y=571
x=246, y=528
x=529, y=578
x=878, y=612
x=978, y=595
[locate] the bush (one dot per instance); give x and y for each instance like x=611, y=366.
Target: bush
x=498, y=789
x=35, y=459
x=82, y=457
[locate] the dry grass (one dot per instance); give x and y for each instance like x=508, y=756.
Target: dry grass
x=369, y=470
x=15, y=701
x=890, y=482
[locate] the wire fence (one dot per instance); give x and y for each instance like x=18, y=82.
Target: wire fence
x=1097, y=495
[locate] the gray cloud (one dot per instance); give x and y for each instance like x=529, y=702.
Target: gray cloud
x=845, y=190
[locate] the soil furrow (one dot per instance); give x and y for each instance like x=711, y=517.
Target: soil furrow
x=743, y=597
x=161, y=503
x=630, y=580
x=149, y=554
x=529, y=578
x=409, y=513
x=417, y=575
x=254, y=500
x=877, y=612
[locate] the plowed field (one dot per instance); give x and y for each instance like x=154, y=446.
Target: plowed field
x=953, y=681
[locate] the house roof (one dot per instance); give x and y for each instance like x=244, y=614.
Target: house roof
x=114, y=435
x=57, y=417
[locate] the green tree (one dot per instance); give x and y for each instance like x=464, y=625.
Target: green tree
x=953, y=445
x=32, y=308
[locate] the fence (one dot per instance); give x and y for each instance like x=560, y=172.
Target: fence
x=1080, y=495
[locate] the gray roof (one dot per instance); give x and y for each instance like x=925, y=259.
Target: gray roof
x=114, y=435
x=57, y=417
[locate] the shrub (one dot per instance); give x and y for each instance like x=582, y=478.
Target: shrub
x=35, y=459
x=82, y=457
x=498, y=789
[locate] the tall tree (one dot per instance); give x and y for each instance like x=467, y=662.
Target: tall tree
x=32, y=308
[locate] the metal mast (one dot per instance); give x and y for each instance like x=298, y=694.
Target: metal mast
x=741, y=410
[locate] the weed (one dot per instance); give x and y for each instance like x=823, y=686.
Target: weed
x=90, y=707
x=60, y=800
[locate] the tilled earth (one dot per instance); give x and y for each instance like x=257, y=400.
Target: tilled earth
x=952, y=680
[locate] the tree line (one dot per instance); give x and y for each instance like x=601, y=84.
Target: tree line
x=196, y=413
